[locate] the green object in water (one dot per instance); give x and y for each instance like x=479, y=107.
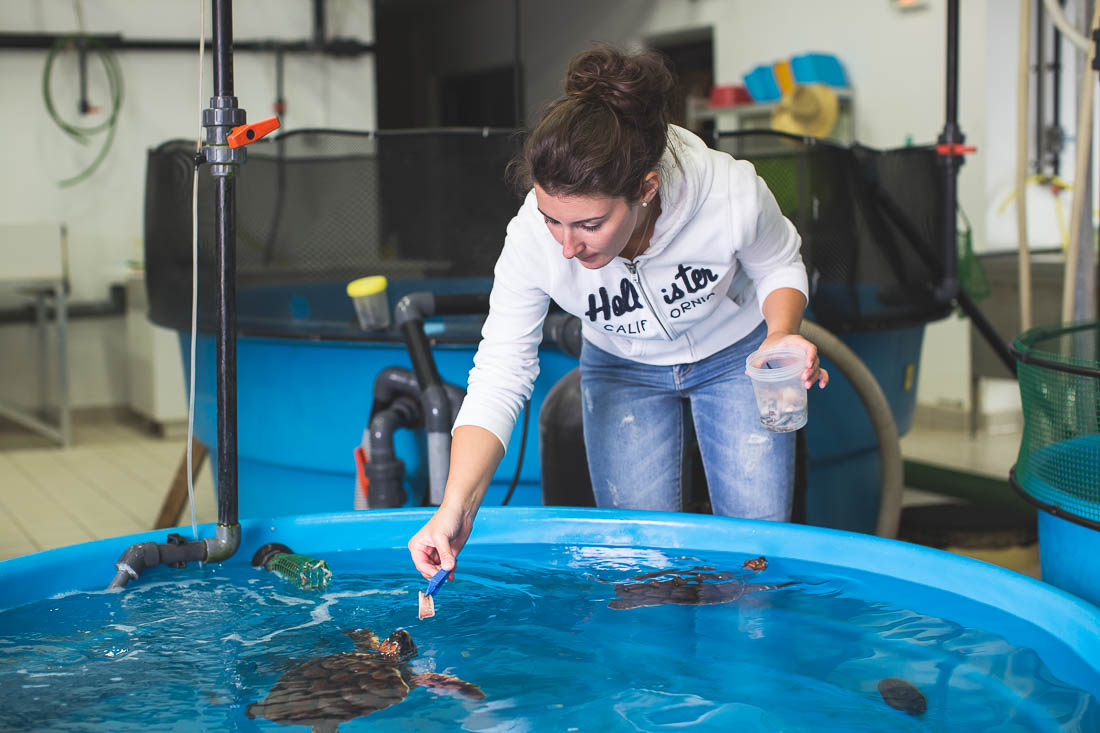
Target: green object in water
x=308, y=573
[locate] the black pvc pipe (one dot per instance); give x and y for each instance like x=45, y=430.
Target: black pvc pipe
x=223, y=48
x=517, y=61
x=226, y=348
x=985, y=328
x=280, y=101
x=1040, y=50
x=319, y=22
x=226, y=279
x=115, y=42
x=1056, y=94
x=461, y=304
x=952, y=101
x=420, y=353
x=951, y=135
x=82, y=62
x=410, y=314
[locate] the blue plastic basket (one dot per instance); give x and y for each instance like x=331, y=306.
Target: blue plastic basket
x=761, y=84
x=819, y=68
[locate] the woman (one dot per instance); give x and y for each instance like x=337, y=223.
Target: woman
x=679, y=264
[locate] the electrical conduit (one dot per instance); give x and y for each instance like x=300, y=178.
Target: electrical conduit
x=882, y=421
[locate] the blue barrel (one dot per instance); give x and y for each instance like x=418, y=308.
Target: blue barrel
x=304, y=397
x=845, y=473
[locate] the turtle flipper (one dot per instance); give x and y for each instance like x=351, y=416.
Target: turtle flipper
x=753, y=587
x=446, y=683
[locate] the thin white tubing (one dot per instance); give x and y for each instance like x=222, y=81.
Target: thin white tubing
x=1084, y=150
x=195, y=283
x=1023, y=75
x=1054, y=10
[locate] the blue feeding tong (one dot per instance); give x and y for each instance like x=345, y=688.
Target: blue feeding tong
x=427, y=602
x=437, y=581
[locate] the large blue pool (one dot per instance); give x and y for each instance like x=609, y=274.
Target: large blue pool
x=840, y=632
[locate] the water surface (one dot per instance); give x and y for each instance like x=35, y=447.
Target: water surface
x=531, y=626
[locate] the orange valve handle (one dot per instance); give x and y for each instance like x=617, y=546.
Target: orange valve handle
x=955, y=149
x=246, y=134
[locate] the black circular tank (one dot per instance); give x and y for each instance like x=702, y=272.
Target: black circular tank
x=565, y=479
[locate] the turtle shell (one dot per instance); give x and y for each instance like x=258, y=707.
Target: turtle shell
x=327, y=691
x=333, y=689
x=697, y=586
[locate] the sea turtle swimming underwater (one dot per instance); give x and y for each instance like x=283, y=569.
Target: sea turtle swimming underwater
x=687, y=587
x=330, y=690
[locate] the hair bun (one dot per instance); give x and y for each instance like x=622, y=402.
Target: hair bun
x=635, y=85
x=606, y=133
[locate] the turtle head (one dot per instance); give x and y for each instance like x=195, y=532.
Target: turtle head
x=398, y=646
x=365, y=639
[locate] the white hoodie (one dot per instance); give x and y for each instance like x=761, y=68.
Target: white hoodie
x=719, y=247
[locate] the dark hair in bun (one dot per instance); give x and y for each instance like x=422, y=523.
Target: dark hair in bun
x=606, y=132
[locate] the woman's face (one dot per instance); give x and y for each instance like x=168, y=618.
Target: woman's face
x=592, y=229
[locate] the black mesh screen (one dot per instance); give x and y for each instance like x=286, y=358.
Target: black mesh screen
x=316, y=209
x=871, y=224
x=327, y=207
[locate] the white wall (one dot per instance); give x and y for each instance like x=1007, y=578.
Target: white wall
x=104, y=215
x=895, y=61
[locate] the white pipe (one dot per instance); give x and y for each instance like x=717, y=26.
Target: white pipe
x=1023, y=76
x=1084, y=149
x=1054, y=10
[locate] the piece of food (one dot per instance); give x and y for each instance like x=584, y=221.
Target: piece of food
x=427, y=606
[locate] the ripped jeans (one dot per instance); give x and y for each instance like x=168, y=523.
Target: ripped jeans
x=635, y=434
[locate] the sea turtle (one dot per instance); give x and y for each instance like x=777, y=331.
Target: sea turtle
x=903, y=695
x=695, y=586
x=330, y=690
x=755, y=563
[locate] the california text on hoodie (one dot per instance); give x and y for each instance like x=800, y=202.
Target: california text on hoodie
x=719, y=247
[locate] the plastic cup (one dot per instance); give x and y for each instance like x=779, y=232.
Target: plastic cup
x=372, y=305
x=776, y=376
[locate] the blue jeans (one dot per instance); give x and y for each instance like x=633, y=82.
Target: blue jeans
x=635, y=434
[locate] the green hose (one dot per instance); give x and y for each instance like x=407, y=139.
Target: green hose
x=82, y=134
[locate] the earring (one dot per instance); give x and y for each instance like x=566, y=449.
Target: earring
x=645, y=204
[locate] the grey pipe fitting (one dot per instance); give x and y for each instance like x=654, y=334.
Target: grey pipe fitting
x=414, y=307
x=438, y=417
x=226, y=540
x=393, y=381
x=138, y=558
x=176, y=552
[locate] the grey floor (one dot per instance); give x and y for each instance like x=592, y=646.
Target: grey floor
x=114, y=478
x=111, y=482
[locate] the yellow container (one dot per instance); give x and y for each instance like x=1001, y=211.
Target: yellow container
x=784, y=77
x=372, y=306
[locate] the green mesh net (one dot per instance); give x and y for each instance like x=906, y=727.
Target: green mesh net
x=972, y=278
x=1059, y=374
x=303, y=571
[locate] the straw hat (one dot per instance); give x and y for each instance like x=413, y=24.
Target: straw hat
x=808, y=109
